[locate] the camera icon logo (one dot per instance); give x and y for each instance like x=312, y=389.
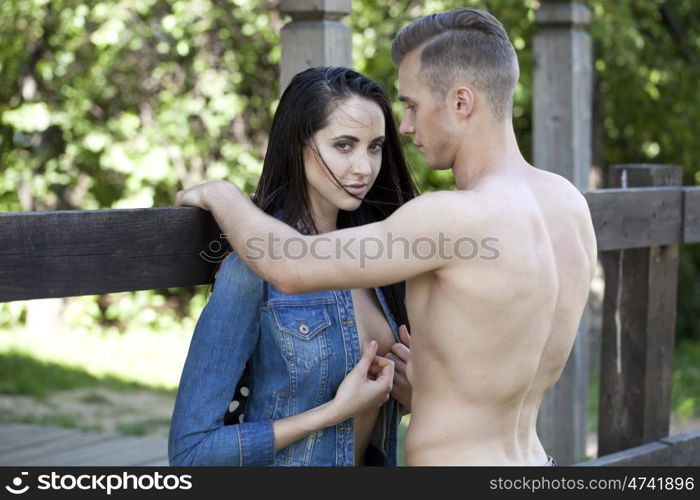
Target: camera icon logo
x=17, y=483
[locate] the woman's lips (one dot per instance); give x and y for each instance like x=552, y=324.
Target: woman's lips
x=356, y=189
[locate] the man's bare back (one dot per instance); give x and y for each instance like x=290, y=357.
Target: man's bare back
x=491, y=337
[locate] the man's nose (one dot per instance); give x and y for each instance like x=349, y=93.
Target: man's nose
x=406, y=127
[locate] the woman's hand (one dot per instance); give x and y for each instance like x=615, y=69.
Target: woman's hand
x=400, y=354
x=360, y=390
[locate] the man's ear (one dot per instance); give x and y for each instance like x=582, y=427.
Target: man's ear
x=463, y=99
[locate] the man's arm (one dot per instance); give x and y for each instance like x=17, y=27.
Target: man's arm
x=416, y=239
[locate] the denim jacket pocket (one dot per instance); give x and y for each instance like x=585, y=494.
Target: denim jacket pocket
x=302, y=333
x=278, y=406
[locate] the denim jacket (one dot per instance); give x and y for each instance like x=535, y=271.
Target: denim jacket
x=298, y=349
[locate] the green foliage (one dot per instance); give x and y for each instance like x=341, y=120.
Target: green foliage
x=107, y=403
x=119, y=103
x=647, y=61
x=21, y=373
x=143, y=427
x=141, y=353
x=686, y=380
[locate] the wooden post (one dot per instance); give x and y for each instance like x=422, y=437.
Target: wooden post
x=639, y=323
x=691, y=215
x=562, y=90
x=315, y=37
x=562, y=144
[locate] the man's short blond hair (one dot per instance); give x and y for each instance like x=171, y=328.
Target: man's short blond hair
x=468, y=42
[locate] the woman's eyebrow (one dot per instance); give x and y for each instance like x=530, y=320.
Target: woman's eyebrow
x=349, y=137
x=355, y=139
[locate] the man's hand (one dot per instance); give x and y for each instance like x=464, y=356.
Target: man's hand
x=400, y=354
x=204, y=196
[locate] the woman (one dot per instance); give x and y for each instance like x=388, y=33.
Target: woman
x=311, y=383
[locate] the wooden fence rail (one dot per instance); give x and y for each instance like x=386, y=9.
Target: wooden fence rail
x=677, y=450
x=67, y=253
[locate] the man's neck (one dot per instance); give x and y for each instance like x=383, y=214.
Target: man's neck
x=488, y=149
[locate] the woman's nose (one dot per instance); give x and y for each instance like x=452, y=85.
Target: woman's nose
x=362, y=166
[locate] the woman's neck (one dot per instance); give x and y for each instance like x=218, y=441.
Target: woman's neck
x=325, y=224
x=325, y=218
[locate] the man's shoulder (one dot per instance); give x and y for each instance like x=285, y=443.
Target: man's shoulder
x=566, y=204
x=562, y=193
x=445, y=209
x=439, y=201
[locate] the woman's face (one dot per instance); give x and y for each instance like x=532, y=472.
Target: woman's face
x=351, y=146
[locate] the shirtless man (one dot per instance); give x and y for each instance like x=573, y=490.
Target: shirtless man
x=491, y=332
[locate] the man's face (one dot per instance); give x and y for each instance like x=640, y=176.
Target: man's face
x=425, y=117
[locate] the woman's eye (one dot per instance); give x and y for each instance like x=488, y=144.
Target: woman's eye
x=377, y=146
x=343, y=146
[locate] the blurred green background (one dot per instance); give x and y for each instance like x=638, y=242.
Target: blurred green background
x=120, y=103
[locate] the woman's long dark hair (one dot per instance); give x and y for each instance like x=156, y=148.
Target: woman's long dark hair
x=304, y=109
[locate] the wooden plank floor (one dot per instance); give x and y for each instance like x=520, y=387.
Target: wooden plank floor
x=51, y=446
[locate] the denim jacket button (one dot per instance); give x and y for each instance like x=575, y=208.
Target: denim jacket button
x=303, y=329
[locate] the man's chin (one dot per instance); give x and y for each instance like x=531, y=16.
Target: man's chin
x=435, y=164
x=432, y=165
